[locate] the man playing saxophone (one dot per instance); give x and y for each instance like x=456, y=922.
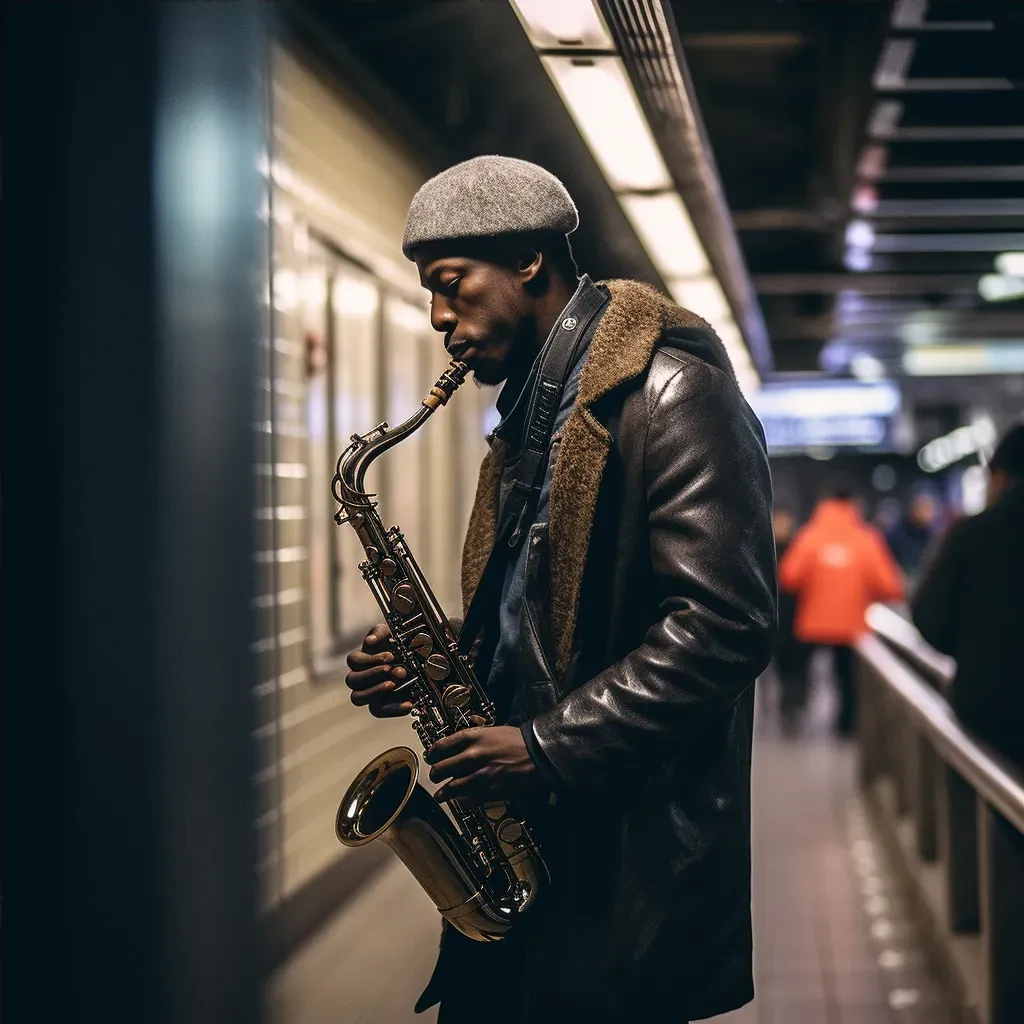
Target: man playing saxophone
x=619, y=581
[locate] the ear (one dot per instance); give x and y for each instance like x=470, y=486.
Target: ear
x=529, y=264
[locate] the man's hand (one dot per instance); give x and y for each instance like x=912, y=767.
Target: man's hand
x=485, y=763
x=375, y=679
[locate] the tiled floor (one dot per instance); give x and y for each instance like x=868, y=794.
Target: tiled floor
x=831, y=943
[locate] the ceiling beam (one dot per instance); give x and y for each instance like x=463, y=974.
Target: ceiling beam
x=1003, y=172
x=865, y=284
x=746, y=41
x=949, y=208
x=996, y=241
x=782, y=220
x=979, y=324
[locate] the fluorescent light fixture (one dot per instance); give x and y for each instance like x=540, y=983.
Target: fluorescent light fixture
x=965, y=360
x=703, y=296
x=667, y=233
x=559, y=24
x=822, y=401
x=1011, y=264
x=1000, y=287
x=860, y=234
x=857, y=260
x=865, y=366
x=865, y=198
x=600, y=98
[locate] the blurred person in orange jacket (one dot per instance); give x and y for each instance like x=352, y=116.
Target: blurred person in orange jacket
x=836, y=567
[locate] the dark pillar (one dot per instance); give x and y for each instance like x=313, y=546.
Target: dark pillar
x=132, y=250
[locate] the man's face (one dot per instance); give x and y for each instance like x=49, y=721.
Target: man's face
x=480, y=308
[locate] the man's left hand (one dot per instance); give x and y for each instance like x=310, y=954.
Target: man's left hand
x=486, y=763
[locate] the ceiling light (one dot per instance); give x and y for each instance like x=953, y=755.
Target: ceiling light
x=965, y=360
x=601, y=100
x=860, y=234
x=667, y=233
x=865, y=366
x=703, y=296
x=1000, y=287
x=857, y=259
x=865, y=198
x=553, y=24
x=1011, y=264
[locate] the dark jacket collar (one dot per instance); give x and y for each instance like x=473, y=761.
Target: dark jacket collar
x=514, y=399
x=636, y=320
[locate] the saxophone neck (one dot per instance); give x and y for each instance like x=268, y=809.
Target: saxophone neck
x=366, y=448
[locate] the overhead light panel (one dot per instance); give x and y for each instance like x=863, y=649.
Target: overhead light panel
x=1000, y=287
x=600, y=98
x=703, y=296
x=1011, y=264
x=561, y=24
x=667, y=234
x=860, y=234
x=965, y=360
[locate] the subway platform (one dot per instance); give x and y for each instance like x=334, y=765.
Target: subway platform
x=834, y=943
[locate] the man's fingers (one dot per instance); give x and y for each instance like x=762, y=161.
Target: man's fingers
x=359, y=660
x=448, y=745
x=478, y=784
x=390, y=710
x=362, y=697
x=368, y=677
x=378, y=636
x=457, y=766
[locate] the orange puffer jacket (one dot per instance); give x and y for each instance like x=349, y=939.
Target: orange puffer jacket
x=836, y=567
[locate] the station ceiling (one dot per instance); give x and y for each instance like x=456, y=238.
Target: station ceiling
x=904, y=119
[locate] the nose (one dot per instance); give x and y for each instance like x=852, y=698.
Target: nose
x=442, y=319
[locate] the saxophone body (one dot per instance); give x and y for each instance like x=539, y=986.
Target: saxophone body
x=479, y=864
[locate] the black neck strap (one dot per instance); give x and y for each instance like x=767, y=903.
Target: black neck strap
x=555, y=362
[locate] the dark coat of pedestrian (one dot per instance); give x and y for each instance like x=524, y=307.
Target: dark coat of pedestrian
x=970, y=605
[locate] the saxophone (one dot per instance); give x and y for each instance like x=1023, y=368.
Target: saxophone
x=479, y=865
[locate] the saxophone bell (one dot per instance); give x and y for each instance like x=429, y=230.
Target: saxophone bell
x=387, y=802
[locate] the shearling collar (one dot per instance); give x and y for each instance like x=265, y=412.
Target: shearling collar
x=623, y=345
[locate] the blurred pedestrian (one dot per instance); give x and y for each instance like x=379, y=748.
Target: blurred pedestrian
x=911, y=537
x=970, y=604
x=787, y=654
x=836, y=567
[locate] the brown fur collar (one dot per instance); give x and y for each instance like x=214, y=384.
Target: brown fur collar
x=621, y=350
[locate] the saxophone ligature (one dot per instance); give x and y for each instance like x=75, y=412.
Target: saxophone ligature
x=478, y=863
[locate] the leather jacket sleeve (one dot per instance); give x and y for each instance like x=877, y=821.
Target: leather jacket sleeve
x=713, y=559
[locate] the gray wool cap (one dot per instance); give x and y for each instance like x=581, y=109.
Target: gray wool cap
x=487, y=196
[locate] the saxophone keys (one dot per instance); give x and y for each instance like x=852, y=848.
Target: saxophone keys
x=438, y=667
x=388, y=567
x=421, y=644
x=373, y=554
x=455, y=696
x=510, y=831
x=403, y=599
x=496, y=810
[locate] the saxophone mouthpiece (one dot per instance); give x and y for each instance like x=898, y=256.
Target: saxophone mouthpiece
x=447, y=384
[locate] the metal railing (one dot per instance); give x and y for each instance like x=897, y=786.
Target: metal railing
x=954, y=812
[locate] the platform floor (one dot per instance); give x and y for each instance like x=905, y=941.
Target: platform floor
x=832, y=942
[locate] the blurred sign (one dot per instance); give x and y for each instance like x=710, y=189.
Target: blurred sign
x=838, y=414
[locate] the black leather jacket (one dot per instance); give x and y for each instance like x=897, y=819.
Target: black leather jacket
x=652, y=608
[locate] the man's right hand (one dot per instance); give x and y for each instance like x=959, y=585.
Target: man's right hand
x=374, y=677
